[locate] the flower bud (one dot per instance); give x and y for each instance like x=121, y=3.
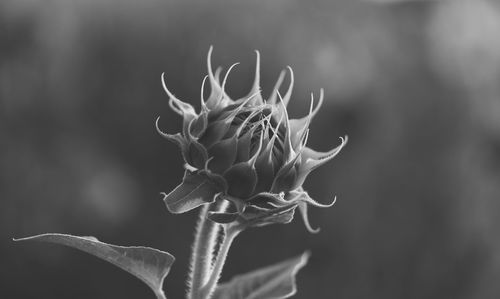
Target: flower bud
x=247, y=152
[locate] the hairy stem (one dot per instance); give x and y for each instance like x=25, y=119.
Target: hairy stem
x=202, y=254
x=229, y=234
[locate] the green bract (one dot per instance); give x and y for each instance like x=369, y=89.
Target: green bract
x=246, y=153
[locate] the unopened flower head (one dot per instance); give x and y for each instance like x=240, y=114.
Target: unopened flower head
x=246, y=152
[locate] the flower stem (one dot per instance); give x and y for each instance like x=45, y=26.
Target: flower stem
x=230, y=232
x=202, y=254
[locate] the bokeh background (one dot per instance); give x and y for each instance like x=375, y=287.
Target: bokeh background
x=415, y=85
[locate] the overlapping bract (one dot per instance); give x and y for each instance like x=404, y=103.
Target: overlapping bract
x=244, y=152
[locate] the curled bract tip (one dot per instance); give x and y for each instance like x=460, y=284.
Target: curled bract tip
x=305, y=218
x=274, y=94
x=165, y=88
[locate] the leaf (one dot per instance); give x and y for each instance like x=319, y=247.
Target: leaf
x=148, y=264
x=273, y=282
x=194, y=191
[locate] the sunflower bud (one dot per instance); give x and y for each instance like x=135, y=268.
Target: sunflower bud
x=245, y=152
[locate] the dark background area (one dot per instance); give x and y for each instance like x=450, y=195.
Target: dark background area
x=415, y=85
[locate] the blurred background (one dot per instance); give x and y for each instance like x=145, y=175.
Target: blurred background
x=414, y=84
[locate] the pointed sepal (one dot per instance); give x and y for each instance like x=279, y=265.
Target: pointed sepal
x=255, y=216
x=194, y=191
x=311, y=159
x=303, y=200
x=255, y=91
x=218, y=98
